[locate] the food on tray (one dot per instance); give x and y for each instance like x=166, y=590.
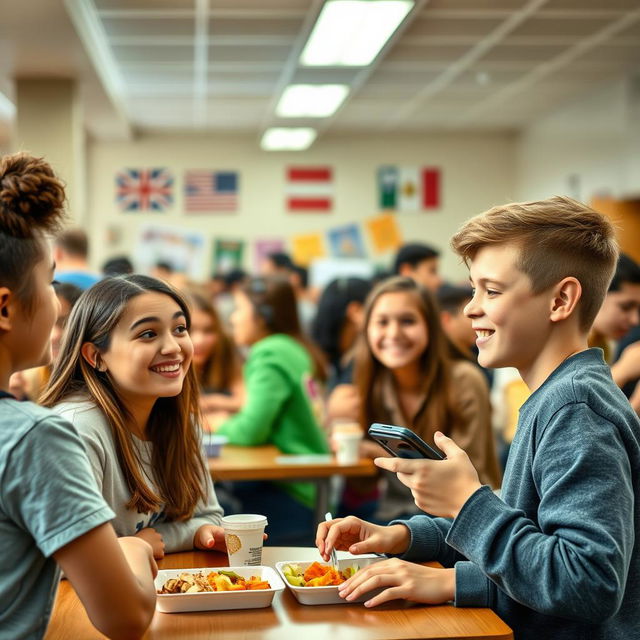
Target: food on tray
x=214, y=581
x=317, y=575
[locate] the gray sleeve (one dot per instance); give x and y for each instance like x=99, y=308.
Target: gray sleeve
x=428, y=540
x=473, y=588
x=572, y=561
x=178, y=536
x=48, y=487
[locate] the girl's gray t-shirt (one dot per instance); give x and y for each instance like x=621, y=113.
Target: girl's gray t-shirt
x=48, y=498
x=98, y=439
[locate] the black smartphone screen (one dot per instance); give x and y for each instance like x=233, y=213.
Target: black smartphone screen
x=402, y=442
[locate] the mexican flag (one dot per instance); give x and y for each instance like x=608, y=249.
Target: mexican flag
x=408, y=189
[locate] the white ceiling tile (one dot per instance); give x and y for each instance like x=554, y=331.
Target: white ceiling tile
x=453, y=57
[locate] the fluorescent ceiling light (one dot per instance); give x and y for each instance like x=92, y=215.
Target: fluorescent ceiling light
x=311, y=100
x=352, y=32
x=293, y=139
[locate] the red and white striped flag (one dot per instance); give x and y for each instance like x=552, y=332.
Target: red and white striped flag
x=309, y=189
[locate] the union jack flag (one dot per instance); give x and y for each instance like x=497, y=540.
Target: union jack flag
x=144, y=189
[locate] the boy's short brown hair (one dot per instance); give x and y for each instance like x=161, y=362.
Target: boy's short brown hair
x=557, y=237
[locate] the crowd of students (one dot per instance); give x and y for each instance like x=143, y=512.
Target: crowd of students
x=100, y=436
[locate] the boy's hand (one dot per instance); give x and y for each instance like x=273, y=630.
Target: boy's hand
x=439, y=487
x=358, y=536
x=150, y=535
x=400, y=579
x=210, y=537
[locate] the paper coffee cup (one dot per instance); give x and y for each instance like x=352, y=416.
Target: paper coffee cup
x=243, y=535
x=347, y=444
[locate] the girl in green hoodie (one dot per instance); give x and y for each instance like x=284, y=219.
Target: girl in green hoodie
x=280, y=377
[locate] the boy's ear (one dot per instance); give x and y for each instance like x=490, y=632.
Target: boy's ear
x=6, y=310
x=91, y=354
x=567, y=294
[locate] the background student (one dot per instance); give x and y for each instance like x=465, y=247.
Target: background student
x=618, y=316
x=216, y=360
x=71, y=255
x=620, y=310
x=283, y=403
x=404, y=376
x=556, y=555
x=52, y=515
x=124, y=380
x=35, y=380
x=419, y=262
x=337, y=324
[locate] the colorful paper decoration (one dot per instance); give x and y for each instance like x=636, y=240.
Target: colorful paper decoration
x=385, y=233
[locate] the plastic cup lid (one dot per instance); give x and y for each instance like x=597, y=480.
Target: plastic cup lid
x=244, y=521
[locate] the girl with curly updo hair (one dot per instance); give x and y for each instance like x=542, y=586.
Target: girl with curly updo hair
x=52, y=515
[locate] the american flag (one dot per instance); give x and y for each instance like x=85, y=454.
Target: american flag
x=211, y=191
x=144, y=189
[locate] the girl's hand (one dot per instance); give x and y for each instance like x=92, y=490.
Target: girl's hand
x=344, y=402
x=210, y=537
x=358, y=536
x=400, y=580
x=150, y=535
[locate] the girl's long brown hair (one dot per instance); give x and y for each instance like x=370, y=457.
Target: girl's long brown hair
x=222, y=368
x=439, y=410
x=173, y=425
x=274, y=301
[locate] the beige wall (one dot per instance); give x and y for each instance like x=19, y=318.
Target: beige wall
x=478, y=172
x=593, y=138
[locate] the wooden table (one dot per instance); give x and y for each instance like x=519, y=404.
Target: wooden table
x=268, y=463
x=287, y=618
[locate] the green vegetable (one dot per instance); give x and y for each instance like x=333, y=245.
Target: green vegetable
x=296, y=581
x=349, y=571
x=292, y=570
x=230, y=574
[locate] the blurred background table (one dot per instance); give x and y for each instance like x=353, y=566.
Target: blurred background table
x=268, y=463
x=287, y=618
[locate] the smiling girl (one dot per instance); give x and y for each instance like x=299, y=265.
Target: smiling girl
x=404, y=376
x=123, y=378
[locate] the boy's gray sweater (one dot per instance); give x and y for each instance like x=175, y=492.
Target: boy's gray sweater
x=556, y=556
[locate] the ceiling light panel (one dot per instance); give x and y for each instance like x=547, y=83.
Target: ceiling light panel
x=287, y=139
x=352, y=32
x=311, y=101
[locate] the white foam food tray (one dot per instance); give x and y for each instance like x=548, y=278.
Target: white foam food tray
x=218, y=600
x=327, y=595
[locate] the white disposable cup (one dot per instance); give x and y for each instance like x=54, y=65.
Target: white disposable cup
x=347, y=445
x=243, y=534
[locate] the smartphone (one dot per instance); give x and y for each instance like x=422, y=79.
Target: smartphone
x=402, y=443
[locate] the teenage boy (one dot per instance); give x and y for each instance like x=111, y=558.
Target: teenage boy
x=555, y=556
x=419, y=262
